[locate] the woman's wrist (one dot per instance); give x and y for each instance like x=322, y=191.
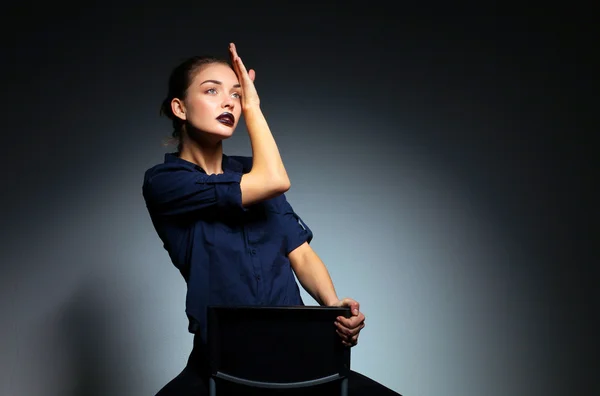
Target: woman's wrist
x=251, y=109
x=331, y=301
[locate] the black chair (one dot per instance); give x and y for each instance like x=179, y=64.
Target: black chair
x=276, y=347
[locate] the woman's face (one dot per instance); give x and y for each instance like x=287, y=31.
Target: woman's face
x=212, y=104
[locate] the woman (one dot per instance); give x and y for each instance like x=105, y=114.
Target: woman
x=224, y=220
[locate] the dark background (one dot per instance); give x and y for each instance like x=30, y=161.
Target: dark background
x=444, y=158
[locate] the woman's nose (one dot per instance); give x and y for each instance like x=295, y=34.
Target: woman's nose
x=228, y=103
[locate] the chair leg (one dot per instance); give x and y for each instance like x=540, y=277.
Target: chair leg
x=212, y=386
x=344, y=387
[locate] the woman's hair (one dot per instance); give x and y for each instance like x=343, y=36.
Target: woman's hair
x=180, y=80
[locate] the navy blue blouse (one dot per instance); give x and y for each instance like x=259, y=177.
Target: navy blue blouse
x=228, y=254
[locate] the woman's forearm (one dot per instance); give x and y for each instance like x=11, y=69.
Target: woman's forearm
x=267, y=160
x=314, y=277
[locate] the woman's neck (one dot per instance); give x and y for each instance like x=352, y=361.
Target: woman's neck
x=208, y=157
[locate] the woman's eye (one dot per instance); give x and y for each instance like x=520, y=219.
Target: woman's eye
x=236, y=95
x=211, y=91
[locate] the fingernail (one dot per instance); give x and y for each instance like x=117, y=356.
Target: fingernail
x=355, y=311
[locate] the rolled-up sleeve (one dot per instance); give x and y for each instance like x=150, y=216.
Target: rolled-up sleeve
x=294, y=228
x=172, y=189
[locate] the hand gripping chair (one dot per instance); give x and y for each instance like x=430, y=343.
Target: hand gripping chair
x=276, y=347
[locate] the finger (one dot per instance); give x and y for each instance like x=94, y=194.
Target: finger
x=237, y=63
x=233, y=50
x=355, y=307
x=252, y=74
x=343, y=330
x=233, y=57
x=346, y=340
x=343, y=336
x=358, y=317
x=350, y=331
x=242, y=72
x=352, y=321
x=346, y=332
x=353, y=331
x=352, y=304
x=233, y=53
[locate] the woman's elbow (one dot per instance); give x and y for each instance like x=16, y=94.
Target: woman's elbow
x=279, y=184
x=284, y=185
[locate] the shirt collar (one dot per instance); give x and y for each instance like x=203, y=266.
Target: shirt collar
x=228, y=163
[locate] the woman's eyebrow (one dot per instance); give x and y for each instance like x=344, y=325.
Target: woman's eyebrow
x=218, y=83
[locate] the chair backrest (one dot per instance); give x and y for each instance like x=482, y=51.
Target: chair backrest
x=262, y=346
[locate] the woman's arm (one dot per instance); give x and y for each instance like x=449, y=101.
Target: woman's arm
x=313, y=275
x=268, y=177
x=315, y=279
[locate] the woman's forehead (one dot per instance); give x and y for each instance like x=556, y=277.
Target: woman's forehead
x=217, y=71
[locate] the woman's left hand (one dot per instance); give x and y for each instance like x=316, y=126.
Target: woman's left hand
x=349, y=328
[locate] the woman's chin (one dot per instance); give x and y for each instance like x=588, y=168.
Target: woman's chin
x=220, y=134
x=224, y=136
x=211, y=136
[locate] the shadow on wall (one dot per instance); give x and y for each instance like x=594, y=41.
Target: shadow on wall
x=85, y=326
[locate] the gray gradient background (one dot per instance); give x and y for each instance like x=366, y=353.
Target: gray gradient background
x=441, y=163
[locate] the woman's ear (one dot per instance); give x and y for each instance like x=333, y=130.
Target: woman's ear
x=178, y=108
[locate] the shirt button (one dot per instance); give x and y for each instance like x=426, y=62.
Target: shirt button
x=252, y=251
x=257, y=277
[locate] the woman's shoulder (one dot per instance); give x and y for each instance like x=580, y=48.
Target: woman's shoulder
x=245, y=162
x=171, y=163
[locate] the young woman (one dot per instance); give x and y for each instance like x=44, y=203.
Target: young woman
x=224, y=220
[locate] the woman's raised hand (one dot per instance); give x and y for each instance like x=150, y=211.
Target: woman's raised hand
x=246, y=78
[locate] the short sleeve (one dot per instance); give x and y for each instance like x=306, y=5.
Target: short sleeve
x=295, y=230
x=172, y=189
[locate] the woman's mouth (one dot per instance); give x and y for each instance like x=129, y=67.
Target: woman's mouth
x=226, y=119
